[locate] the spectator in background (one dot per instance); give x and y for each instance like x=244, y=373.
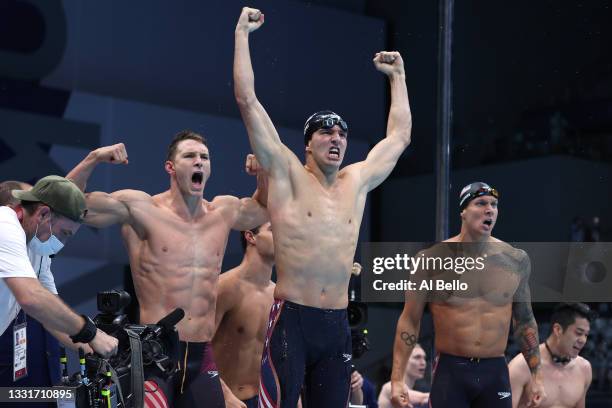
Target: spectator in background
x=362, y=391
x=415, y=370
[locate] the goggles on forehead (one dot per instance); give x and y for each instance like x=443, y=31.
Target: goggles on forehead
x=330, y=122
x=324, y=122
x=482, y=191
x=486, y=191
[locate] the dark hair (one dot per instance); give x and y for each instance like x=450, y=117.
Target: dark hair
x=565, y=314
x=30, y=207
x=6, y=198
x=243, y=240
x=179, y=137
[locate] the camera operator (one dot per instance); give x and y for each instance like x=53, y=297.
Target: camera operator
x=41, y=263
x=42, y=345
x=47, y=215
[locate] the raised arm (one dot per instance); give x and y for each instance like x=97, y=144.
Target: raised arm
x=406, y=337
x=526, y=333
x=382, y=158
x=103, y=209
x=263, y=137
x=115, y=154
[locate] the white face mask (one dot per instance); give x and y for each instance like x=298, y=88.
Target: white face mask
x=50, y=247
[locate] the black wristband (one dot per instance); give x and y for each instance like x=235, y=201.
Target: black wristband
x=87, y=333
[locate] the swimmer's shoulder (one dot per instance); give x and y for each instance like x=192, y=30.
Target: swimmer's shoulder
x=129, y=195
x=222, y=202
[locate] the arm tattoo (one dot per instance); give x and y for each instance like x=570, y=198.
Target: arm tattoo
x=525, y=326
x=409, y=339
x=527, y=338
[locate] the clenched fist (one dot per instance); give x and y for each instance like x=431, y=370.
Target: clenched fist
x=252, y=166
x=399, y=395
x=250, y=20
x=389, y=62
x=115, y=154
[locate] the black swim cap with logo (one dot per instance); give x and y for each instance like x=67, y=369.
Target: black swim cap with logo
x=474, y=190
x=325, y=119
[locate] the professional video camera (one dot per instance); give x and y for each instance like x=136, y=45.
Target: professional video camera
x=118, y=382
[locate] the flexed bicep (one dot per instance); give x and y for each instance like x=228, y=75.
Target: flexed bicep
x=104, y=209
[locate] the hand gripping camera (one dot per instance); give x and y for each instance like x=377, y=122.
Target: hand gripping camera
x=119, y=381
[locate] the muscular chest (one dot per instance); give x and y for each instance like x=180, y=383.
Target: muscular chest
x=168, y=238
x=495, y=284
x=336, y=209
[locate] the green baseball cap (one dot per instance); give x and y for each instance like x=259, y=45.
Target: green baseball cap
x=59, y=193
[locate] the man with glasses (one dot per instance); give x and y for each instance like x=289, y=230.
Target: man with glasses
x=316, y=210
x=471, y=325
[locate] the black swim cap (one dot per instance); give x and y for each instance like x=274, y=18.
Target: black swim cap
x=473, y=190
x=322, y=120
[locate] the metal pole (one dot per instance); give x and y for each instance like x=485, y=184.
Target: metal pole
x=445, y=114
